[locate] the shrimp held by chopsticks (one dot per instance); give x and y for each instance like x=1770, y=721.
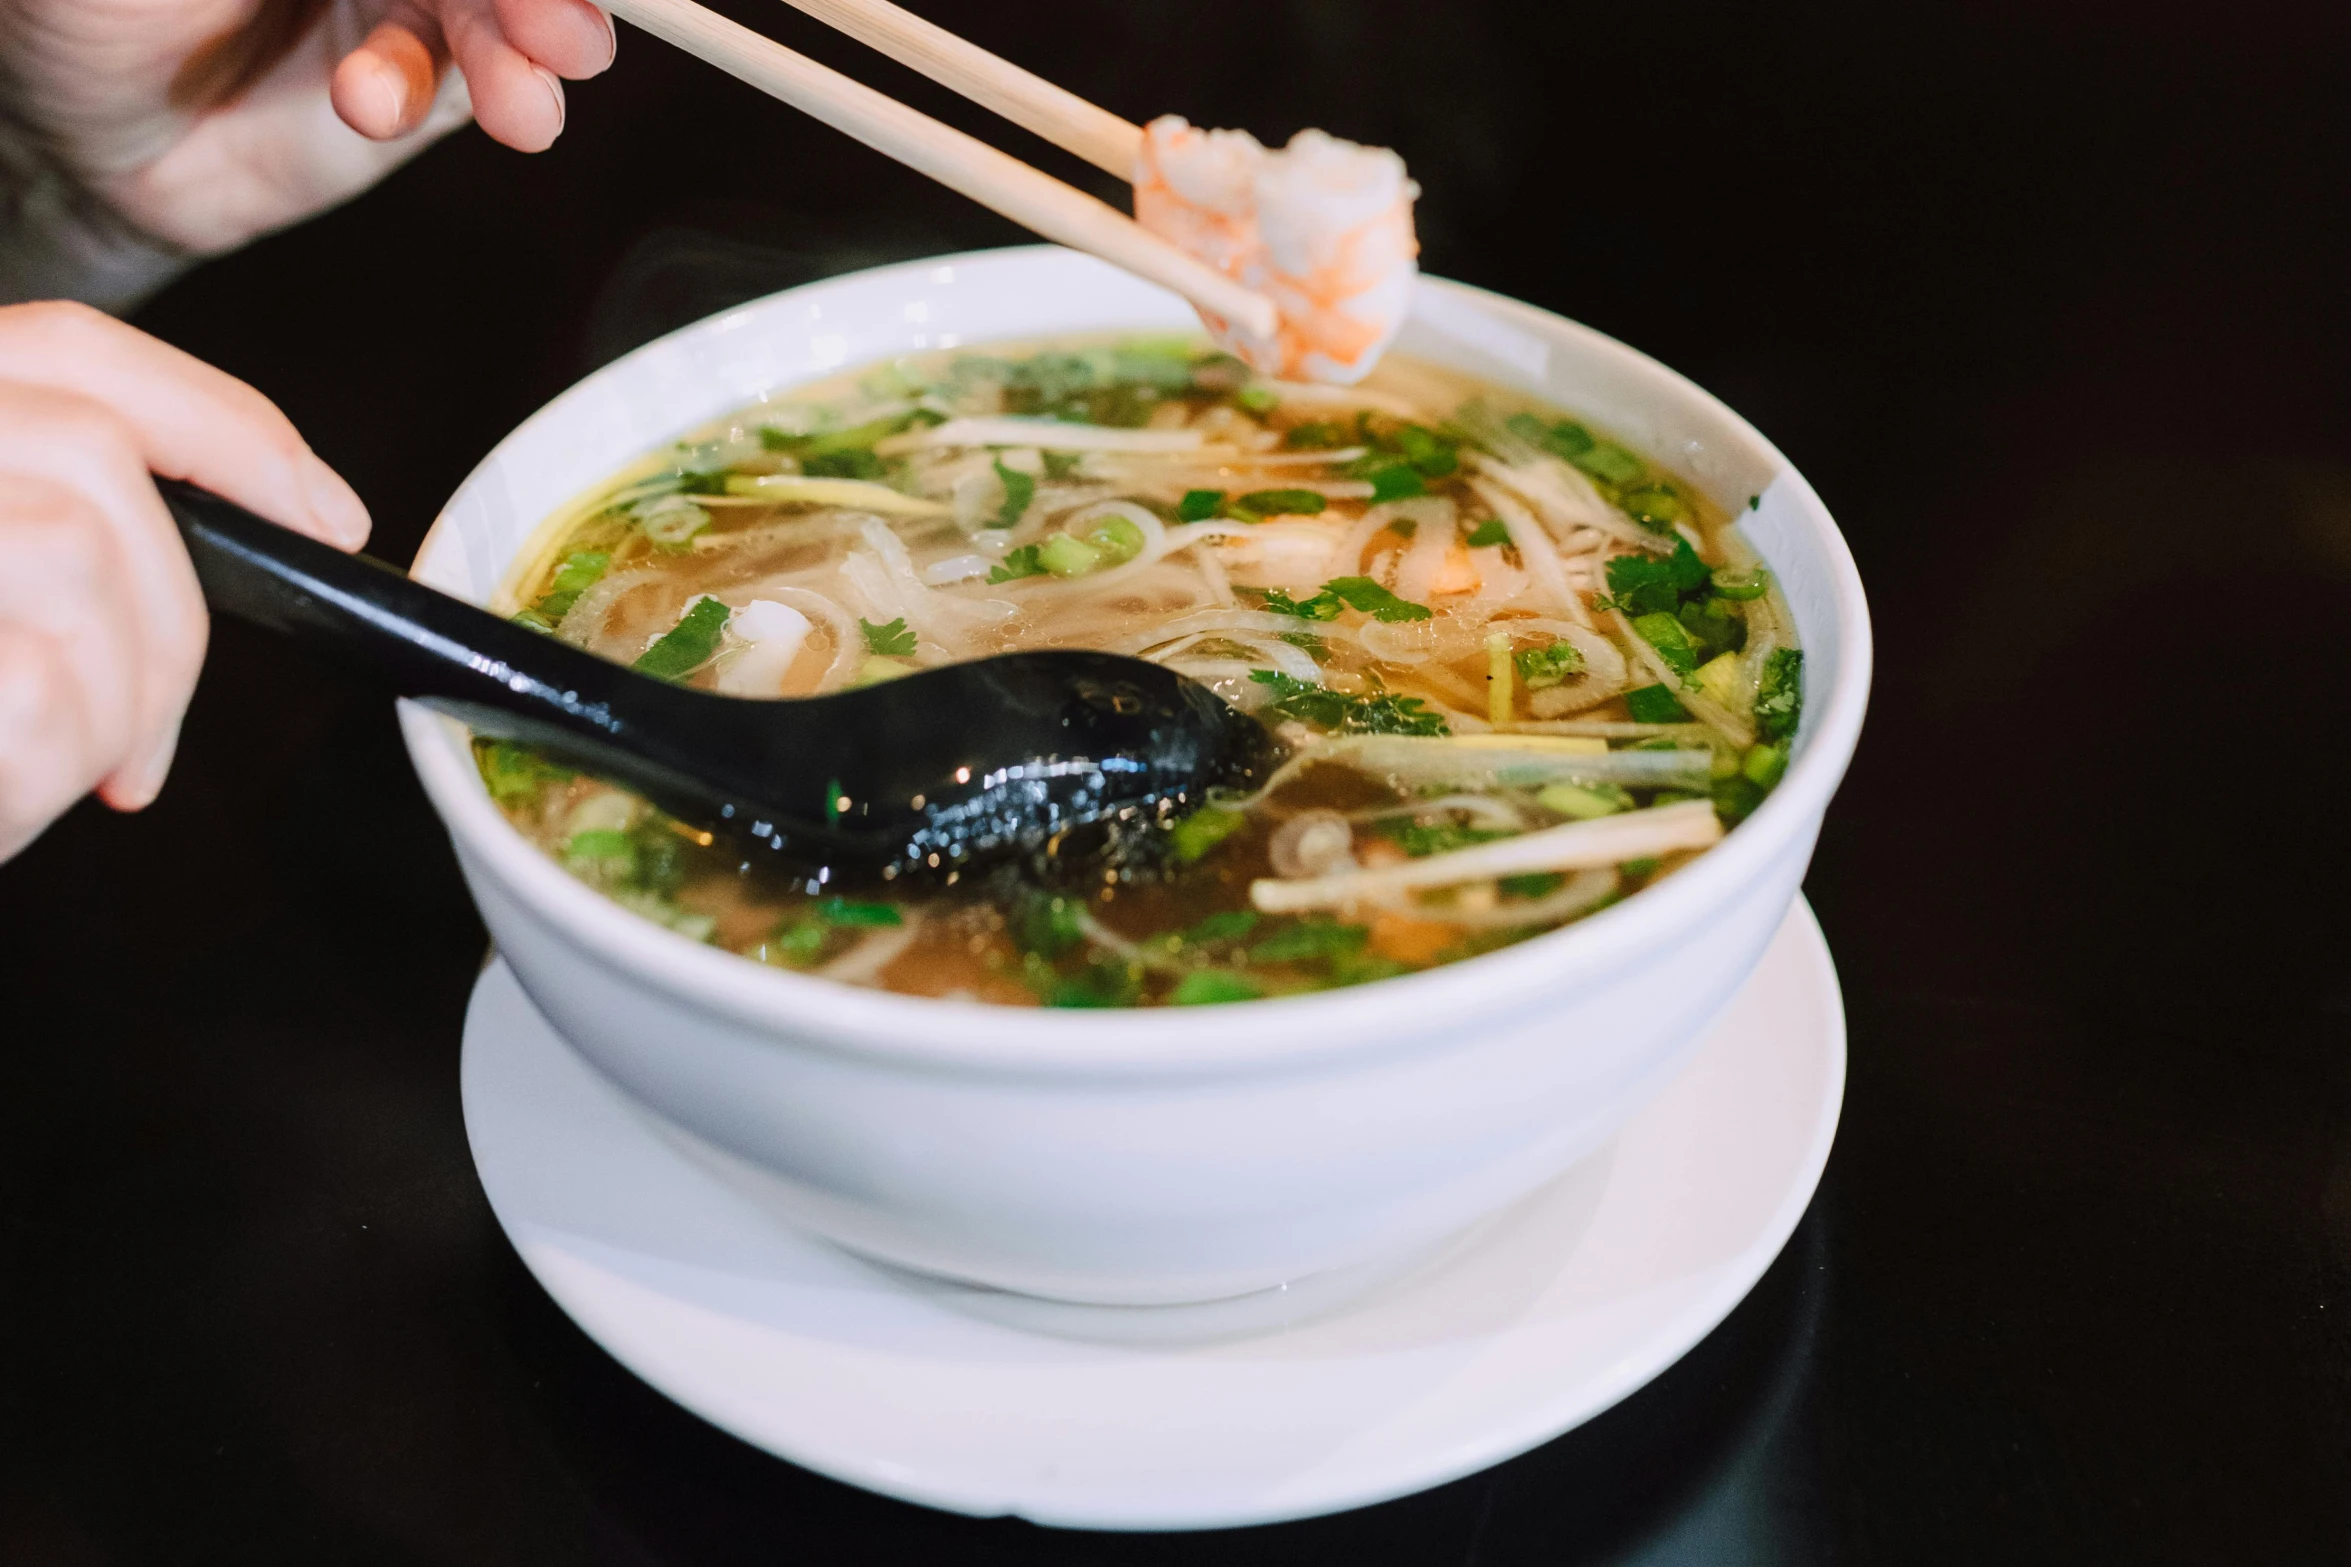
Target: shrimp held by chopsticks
x=1323, y=227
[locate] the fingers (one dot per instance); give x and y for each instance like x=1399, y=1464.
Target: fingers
x=104, y=578
x=384, y=88
x=512, y=52
x=569, y=37
x=187, y=420
x=515, y=99
x=91, y=687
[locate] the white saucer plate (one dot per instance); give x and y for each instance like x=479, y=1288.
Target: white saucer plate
x=932, y=1393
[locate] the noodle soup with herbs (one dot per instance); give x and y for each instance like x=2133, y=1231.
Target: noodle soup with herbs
x=1518, y=670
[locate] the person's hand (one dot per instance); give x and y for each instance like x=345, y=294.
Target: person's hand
x=204, y=123
x=101, y=624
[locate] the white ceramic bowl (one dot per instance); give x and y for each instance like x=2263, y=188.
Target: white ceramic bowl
x=1163, y=1156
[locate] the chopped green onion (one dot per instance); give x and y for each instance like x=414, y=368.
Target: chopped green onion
x=1765, y=765
x=1202, y=831
x=1212, y=987
x=688, y=645
x=1116, y=539
x=1654, y=506
x=1583, y=802
x=1741, y=585
x=1544, y=667
x=1396, y=482
x=1065, y=556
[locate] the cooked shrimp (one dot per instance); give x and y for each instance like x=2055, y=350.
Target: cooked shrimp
x=1323, y=226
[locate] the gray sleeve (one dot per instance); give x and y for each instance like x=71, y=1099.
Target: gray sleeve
x=59, y=241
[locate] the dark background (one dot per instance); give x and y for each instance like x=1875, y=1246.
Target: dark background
x=2053, y=303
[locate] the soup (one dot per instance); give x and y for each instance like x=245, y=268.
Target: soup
x=1518, y=671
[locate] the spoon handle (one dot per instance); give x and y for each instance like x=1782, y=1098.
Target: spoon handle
x=496, y=677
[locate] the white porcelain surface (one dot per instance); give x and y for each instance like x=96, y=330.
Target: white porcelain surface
x=1155, y=1156
x=1566, y=1303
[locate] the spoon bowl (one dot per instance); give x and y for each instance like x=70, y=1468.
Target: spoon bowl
x=947, y=768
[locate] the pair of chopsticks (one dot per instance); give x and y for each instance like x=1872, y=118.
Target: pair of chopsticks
x=963, y=163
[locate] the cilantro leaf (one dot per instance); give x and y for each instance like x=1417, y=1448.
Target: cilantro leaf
x=1199, y=505
x=1368, y=596
x=1667, y=635
x=1019, y=489
x=1323, y=606
x=1396, y=481
x=1652, y=584
x=1779, y=698
x=1489, y=533
x=1382, y=713
x=1655, y=705
x=1318, y=936
x=890, y=640
x=1314, y=437
x=1272, y=503
x=1022, y=562
x=1426, y=450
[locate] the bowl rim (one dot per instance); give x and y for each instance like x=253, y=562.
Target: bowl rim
x=1272, y=1032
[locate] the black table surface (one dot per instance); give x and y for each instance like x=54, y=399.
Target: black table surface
x=2052, y=301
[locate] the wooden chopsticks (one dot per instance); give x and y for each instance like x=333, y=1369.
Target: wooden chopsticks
x=1023, y=97
x=994, y=179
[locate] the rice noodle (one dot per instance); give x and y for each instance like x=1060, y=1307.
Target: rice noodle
x=1050, y=435
x=1607, y=841
x=1534, y=547
x=1580, y=892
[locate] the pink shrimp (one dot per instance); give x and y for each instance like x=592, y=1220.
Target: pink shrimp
x=1323, y=227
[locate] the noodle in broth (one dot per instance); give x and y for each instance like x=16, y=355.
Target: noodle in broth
x=1519, y=670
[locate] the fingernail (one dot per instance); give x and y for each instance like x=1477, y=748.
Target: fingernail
x=135, y=785
x=390, y=84
x=555, y=91
x=611, y=37
x=340, y=514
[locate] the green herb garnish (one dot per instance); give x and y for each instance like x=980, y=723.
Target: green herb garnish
x=1202, y=831
x=893, y=640
x=1420, y=841
x=1317, y=936
x=1655, y=705
x=1379, y=714
x=1199, y=505
x=1364, y=594
x=1022, y=562
x=688, y=645
x=1212, y=987
x=1019, y=489
x=1260, y=504
x=1779, y=696
x=1486, y=535
x=1540, y=668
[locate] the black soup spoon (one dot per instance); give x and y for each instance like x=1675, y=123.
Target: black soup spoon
x=944, y=769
